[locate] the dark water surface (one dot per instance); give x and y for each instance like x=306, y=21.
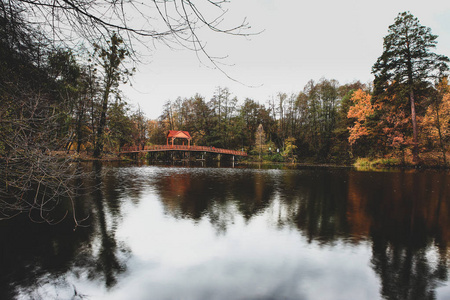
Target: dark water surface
x=231, y=233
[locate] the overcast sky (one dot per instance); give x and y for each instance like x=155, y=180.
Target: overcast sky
x=301, y=40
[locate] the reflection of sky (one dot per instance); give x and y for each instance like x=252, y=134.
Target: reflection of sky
x=180, y=259
x=172, y=256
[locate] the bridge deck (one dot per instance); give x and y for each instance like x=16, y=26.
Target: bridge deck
x=164, y=148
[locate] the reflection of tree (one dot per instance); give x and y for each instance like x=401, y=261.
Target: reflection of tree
x=253, y=193
x=321, y=210
x=215, y=196
x=405, y=215
x=357, y=210
x=33, y=255
x=407, y=221
x=405, y=270
x=32, y=251
x=107, y=263
x=311, y=201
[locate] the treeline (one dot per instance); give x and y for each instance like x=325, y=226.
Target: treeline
x=402, y=118
x=61, y=63
x=326, y=122
x=53, y=99
x=309, y=125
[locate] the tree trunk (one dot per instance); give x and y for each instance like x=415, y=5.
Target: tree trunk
x=438, y=126
x=99, y=145
x=79, y=126
x=415, y=150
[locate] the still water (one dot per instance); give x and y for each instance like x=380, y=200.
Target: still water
x=155, y=232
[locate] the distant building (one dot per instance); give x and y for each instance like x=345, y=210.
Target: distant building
x=174, y=134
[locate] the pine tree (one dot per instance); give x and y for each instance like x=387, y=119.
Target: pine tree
x=408, y=60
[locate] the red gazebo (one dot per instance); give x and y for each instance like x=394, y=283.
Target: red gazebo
x=174, y=134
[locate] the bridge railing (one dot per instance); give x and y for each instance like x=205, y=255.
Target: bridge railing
x=153, y=148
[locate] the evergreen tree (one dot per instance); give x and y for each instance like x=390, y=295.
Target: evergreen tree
x=407, y=59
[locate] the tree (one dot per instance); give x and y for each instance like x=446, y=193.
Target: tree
x=407, y=59
x=393, y=130
x=249, y=116
x=260, y=140
x=173, y=23
x=119, y=123
x=140, y=130
x=112, y=58
x=318, y=109
x=77, y=86
x=436, y=122
x=289, y=149
x=341, y=150
x=360, y=110
x=200, y=120
x=32, y=124
x=39, y=103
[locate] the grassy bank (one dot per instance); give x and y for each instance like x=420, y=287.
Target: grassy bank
x=427, y=160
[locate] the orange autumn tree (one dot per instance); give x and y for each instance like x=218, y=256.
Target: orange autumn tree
x=360, y=110
x=393, y=127
x=436, y=122
x=395, y=124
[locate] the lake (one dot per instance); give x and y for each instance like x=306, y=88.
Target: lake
x=176, y=232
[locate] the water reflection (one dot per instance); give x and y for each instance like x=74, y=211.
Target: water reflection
x=409, y=226
x=404, y=214
x=41, y=261
x=107, y=263
x=238, y=233
x=213, y=192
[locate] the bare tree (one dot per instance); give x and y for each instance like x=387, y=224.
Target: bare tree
x=32, y=125
x=34, y=119
x=32, y=179
x=175, y=23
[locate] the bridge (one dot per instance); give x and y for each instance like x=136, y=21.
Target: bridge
x=172, y=135
x=182, y=148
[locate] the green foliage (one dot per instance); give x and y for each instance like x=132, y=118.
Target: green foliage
x=407, y=57
x=277, y=157
x=120, y=124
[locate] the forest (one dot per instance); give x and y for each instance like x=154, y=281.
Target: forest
x=55, y=98
x=400, y=119
x=65, y=99
x=61, y=102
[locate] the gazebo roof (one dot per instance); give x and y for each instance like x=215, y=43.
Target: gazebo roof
x=178, y=134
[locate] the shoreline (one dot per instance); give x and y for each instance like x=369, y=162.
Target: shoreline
x=359, y=164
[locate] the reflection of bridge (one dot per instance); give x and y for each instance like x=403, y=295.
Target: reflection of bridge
x=181, y=148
